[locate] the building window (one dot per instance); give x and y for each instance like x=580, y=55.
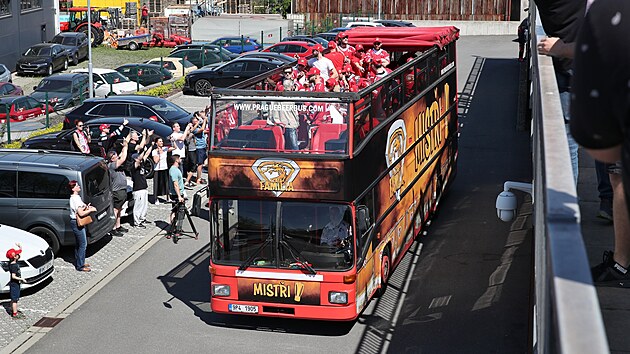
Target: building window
x=26, y=5
x=5, y=7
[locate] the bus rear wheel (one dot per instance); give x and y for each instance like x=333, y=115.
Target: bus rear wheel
x=386, y=268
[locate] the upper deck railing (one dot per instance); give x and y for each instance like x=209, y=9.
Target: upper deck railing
x=567, y=313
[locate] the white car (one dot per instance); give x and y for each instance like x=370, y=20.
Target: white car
x=363, y=24
x=109, y=82
x=36, y=259
x=5, y=74
x=174, y=65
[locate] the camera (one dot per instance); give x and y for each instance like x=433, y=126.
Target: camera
x=506, y=206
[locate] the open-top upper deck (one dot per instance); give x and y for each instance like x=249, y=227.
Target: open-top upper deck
x=263, y=136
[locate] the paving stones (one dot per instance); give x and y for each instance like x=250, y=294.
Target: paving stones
x=36, y=302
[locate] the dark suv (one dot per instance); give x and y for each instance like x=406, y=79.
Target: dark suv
x=154, y=108
x=63, y=90
x=34, y=193
x=76, y=43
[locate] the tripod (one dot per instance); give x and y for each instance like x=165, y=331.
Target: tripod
x=176, y=229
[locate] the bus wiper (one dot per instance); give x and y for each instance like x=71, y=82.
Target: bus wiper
x=298, y=258
x=251, y=258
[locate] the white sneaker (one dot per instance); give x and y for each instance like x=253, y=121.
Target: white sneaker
x=157, y=202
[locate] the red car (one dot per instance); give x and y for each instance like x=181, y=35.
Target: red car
x=9, y=89
x=21, y=108
x=291, y=48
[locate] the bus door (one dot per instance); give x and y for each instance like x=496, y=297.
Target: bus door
x=368, y=268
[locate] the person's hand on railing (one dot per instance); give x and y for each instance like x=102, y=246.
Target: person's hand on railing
x=556, y=47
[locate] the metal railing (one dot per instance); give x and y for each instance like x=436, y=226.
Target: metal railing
x=567, y=316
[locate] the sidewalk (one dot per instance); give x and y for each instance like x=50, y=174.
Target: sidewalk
x=598, y=237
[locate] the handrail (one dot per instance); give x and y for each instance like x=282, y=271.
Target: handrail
x=567, y=314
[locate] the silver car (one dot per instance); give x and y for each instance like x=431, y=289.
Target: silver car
x=5, y=74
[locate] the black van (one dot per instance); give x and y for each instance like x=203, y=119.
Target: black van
x=34, y=193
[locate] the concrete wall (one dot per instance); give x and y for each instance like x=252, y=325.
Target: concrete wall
x=21, y=30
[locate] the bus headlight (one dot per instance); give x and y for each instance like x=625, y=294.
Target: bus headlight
x=337, y=297
x=220, y=290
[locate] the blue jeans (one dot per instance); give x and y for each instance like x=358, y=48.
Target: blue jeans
x=563, y=78
x=290, y=139
x=80, y=238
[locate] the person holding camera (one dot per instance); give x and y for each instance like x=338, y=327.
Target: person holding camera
x=78, y=207
x=176, y=186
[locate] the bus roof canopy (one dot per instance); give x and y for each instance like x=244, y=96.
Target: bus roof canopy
x=404, y=39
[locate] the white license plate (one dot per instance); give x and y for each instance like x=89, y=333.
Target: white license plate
x=45, y=267
x=243, y=308
x=101, y=215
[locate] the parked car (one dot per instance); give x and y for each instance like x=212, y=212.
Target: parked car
x=10, y=89
x=363, y=24
x=145, y=74
x=63, y=140
x=62, y=90
x=154, y=108
x=328, y=36
x=308, y=39
x=36, y=259
x=177, y=67
x=339, y=29
x=21, y=108
x=394, y=23
x=200, y=82
x=237, y=44
x=225, y=54
x=75, y=43
x=5, y=74
x=44, y=58
x=195, y=56
x=269, y=55
x=109, y=82
x=302, y=49
x=35, y=193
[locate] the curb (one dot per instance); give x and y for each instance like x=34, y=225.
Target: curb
x=34, y=333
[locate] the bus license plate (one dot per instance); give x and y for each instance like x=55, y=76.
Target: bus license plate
x=243, y=308
x=45, y=267
x=101, y=215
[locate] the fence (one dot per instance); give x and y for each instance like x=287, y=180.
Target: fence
x=567, y=316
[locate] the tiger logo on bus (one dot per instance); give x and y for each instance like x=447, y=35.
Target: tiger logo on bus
x=396, y=145
x=276, y=175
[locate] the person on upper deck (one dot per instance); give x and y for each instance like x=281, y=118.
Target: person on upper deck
x=343, y=46
x=377, y=53
x=323, y=64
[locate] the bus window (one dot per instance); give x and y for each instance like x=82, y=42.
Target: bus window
x=245, y=229
x=320, y=234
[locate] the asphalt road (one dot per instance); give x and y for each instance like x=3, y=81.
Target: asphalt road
x=466, y=291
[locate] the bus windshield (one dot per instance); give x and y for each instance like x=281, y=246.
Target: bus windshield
x=288, y=125
x=287, y=235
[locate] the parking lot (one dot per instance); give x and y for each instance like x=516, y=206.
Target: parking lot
x=102, y=57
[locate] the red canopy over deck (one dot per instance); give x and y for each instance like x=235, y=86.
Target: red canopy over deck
x=403, y=39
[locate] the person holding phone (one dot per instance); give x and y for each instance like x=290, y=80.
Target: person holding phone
x=78, y=207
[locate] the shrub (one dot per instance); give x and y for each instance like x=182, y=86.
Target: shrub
x=164, y=90
x=16, y=144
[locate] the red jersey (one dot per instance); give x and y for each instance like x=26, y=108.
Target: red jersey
x=337, y=59
x=348, y=51
x=382, y=54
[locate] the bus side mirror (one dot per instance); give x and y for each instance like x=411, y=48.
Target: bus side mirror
x=363, y=219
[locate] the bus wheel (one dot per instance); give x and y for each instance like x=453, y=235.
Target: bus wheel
x=386, y=268
x=48, y=236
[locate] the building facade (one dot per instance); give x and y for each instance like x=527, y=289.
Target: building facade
x=22, y=24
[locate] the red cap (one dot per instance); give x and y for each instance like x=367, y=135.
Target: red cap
x=377, y=40
x=302, y=61
x=332, y=45
x=318, y=47
x=313, y=71
x=279, y=87
x=378, y=61
x=331, y=82
x=410, y=59
x=12, y=253
x=359, y=47
x=103, y=127
x=342, y=35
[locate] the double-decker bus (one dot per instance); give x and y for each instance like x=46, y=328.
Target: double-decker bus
x=315, y=230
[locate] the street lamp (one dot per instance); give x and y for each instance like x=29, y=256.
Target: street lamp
x=379, y=9
x=89, y=20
